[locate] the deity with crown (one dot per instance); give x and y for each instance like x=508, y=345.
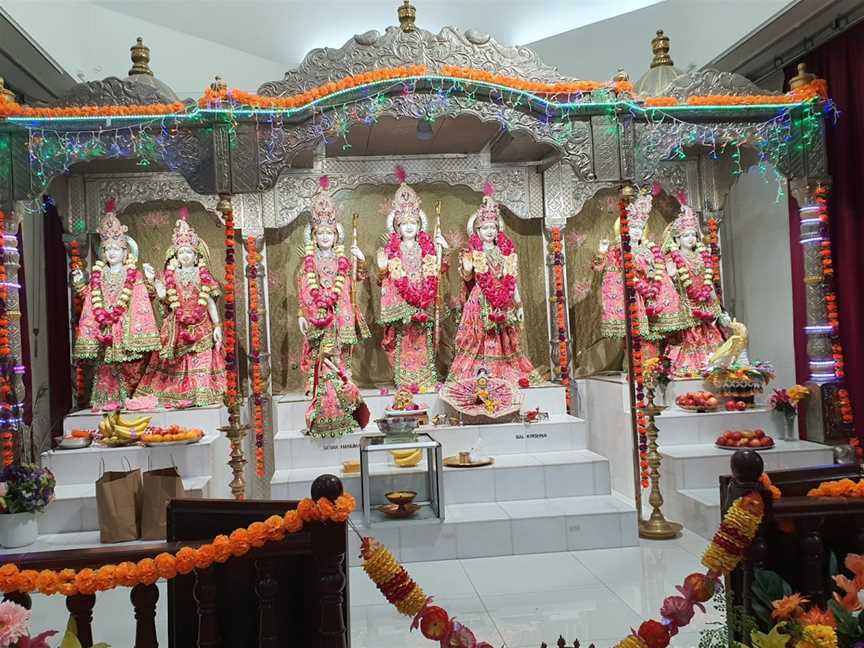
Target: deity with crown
x=409, y=266
x=327, y=317
x=689, y=263
x=189, y=371
x=658, y=307
x=117, y=330
x=489, y=334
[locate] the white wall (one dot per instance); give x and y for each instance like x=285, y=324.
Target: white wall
x=756, y=242
x=699, y=29
x=93, y=42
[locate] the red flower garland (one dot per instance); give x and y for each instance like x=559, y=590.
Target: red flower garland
x=107, y=317
x=630, y=283
x=229, y=319
x=702, y=294
x=77, y=306
x=188, y=318
x=252, y=258
x=8, y=398
x=421, y=295
x=714, y=246
x=556, y=250
x=498, y=291
x=325, y=298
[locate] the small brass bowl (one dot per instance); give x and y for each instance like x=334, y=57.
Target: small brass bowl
x=400, y=498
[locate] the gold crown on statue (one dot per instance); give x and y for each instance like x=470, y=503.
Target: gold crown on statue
x=184, y=235
x=687, y=221
x=406, y=202
x=488, y=212
x=639, y=210
x=324, y=210
x=110, y=229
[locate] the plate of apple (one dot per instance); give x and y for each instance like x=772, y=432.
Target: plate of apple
x=744, y=440
x=698, y=401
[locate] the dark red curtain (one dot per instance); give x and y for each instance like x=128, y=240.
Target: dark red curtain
x=839, y=61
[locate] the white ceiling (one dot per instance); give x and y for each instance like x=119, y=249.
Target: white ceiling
x=284, y=30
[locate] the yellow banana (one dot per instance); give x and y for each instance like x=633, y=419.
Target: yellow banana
x=125, y=432
x=410, y=460
x=139, y=424
x=401, y=454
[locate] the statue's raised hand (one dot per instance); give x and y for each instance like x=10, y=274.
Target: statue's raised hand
x=77, y=277
x=603, y=247
x=149, y=272
x=357, y=253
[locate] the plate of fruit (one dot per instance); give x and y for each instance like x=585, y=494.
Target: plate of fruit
x=744, y=440
x=172, y=435
x=76, y=439
x=698, y=401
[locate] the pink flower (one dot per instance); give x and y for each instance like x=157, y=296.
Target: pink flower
x=383, y=391
x=39, y=641
x=14, y=620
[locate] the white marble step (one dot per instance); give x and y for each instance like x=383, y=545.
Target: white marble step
x=680, y=427
x=700, y=510
x=561, y=432
x=568, y=473
x=290, y=409
x=509, y=528
x=74, y=506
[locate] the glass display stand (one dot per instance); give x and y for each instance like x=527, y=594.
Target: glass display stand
x=430, y=509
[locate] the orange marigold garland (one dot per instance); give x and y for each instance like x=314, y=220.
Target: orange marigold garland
x=230, y=321
x=9, y=108
x=252, y=258
x=8, y=399
x=714, y=249
x=838, y=488
x=75, y=263
x=636, y=342
x=556, y=250
x=69, y=582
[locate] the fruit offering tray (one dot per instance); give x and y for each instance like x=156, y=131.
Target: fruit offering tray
x=701, y=401
x=744, y=439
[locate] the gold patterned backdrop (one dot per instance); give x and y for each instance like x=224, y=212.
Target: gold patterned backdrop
x=583, y=233
x=370, y=367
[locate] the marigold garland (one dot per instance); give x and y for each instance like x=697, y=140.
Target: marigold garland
x=75, y=263
x=557, y=253
x=252, y=258
x=8, y=398
x=735, y=534
x=630, y=283
x=838, y=488
x=229, y=319
x=537, y=87
x=147, y=571
x=714, y=247
x=9, y=108
x=816, y=89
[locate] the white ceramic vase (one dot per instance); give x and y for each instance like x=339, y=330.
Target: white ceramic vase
x=18, y=529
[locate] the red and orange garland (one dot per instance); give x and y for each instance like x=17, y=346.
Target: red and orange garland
x=816, y=89
x=714, y=248
x=726, y=550
x=252, y=258
x=75, y=263
x=630, y=283
x=556, y=251
x=8, y=398
x=230, y=318
x=10, y=108
x=537, y=87
x=69, y=582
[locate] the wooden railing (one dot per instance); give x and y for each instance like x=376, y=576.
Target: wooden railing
x=800, y=537
x=289, y=593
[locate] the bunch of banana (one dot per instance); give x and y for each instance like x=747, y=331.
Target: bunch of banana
x=116, y=430
x=407, y=458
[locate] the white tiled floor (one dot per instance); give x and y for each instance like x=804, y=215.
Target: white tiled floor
x=514, y=601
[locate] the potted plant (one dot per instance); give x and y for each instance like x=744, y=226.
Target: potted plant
x=25, y=490
x=787, y=402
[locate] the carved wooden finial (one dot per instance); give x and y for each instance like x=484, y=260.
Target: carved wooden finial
x=562, y=642
x=621, y=75
x=803, y=77
x=140, y=58
x=6, y=93
x=660, y=49
x=407, y=15
x=218, y=84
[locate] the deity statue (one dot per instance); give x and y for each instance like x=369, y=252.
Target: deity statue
x=117, y=329
x=689, y=263
x=327, y=316
x=489, y=335
x=658, y=307
x=336, y=407
x=189, y=371
x=409, y=265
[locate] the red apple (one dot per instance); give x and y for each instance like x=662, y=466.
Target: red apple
x=759, y=434
x=766, y=442
x=741, y=406
x=736, y=436
x=730, y=406
x=755, y=443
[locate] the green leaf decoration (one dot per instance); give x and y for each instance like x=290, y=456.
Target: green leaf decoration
x=70, y=639
x=833, y=567
x=847, y=623
x=773, y=639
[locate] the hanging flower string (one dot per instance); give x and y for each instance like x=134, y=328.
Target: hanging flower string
x=499, y=292
x=252, y=258
x=69, y=582
x=714, y=247
x=230, y=321
x=8, y=399
x=557, y=252
x=75, y=263
x=188, y=318
x=630, y=283
x=701, y=295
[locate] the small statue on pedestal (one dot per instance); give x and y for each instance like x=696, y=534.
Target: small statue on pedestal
x=190, y=369
x=117, y=329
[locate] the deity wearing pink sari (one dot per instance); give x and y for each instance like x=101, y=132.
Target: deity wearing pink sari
x=489, y=335
x=692, y=270
x=117, y=330
x=328, y=319
x=189, y=371
x=409, y=267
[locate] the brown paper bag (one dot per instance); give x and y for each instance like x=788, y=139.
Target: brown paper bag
x=160, y=487
x=118, y=505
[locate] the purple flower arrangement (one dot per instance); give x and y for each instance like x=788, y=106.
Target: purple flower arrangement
x=25, y=488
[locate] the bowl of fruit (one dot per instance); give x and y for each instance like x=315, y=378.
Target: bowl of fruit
x=172, y=435
x=744, y=440
x=699, y=401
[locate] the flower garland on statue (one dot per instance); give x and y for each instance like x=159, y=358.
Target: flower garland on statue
x=107, y=317
x=498, y=291
x=630, y=285
x=69, y=582
x=556, y=249
x=194, y=317
x=252, y=258
x=649, y=289
x=702, y=294
x=420, y=295
x=325, y=298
